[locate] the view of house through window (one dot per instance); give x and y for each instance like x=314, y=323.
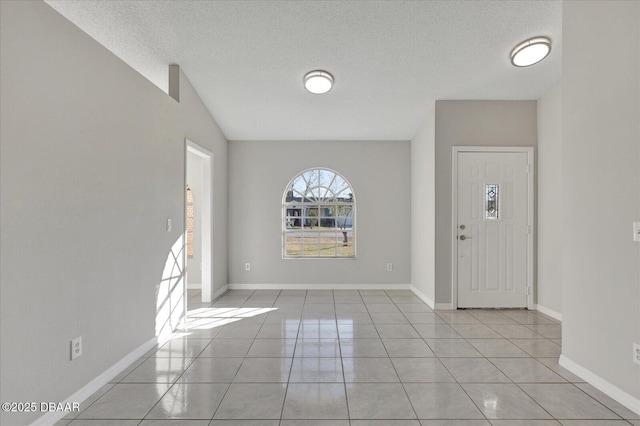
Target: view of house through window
x=318, y=216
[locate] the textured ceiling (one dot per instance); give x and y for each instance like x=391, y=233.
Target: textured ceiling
x=390, y=59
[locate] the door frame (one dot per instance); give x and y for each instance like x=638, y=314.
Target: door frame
x=530, y=214
x=207, y=219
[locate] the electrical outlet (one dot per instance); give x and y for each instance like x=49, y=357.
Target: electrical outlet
x=636, y=232
x=76, y=347
x=247, y=266
x=389, y=267
x=636, y=353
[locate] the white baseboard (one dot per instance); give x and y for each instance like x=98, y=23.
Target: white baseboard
x=319, y=286
x=219, y=292
x=426, y=299
x=628, y=400
x=420, y=295
x=96, y=384
x=194, y=286
x=549, y=312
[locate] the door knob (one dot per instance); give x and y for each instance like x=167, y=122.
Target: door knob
x=464, y=237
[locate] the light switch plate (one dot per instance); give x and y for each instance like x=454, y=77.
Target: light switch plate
x=636, y=232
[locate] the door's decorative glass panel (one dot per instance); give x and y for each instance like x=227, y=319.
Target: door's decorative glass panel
x=491, y=201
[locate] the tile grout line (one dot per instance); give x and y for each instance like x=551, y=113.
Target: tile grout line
x=509, y=378
x=295, y=348
x=462, y=388
x=344, y=379
x=415, y=413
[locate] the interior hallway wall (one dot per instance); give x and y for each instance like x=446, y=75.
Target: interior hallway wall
x=601, y=194
x=550, y=201
x=91, y=167
x=423, y=210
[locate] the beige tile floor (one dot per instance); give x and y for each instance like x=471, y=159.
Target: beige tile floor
x=352, y=358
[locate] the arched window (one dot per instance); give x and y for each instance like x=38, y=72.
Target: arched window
x=318, y=211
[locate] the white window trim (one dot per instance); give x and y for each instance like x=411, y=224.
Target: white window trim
x=286, y=205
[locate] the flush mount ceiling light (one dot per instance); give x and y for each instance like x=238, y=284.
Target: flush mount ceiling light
x=318, y=82
x=530, y=51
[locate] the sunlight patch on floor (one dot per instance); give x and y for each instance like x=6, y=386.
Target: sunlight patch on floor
x=208, y=318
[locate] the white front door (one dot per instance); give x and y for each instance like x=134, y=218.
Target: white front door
x=492, y=229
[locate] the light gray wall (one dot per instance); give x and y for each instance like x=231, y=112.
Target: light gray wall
x=423, y=209
x=92, y=165
x=601, y=189
x=194, y=180
x=549, y=292
x=379, y=173
x=195, y=123
x=471, y=123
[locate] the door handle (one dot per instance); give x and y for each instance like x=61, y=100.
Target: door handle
x=464, y=237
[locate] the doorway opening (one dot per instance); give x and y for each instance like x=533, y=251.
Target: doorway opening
x=198, y=200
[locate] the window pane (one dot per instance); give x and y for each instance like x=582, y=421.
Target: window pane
x=294, y=237
x=345, y=244
x=327, y=244
x=327, y=249
x=292, y=249
x=310, y=216
x=310, y=243
x=345, y=216
x=339, y=187
x=293, y=243
x=310, y=250
x=293, y=216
